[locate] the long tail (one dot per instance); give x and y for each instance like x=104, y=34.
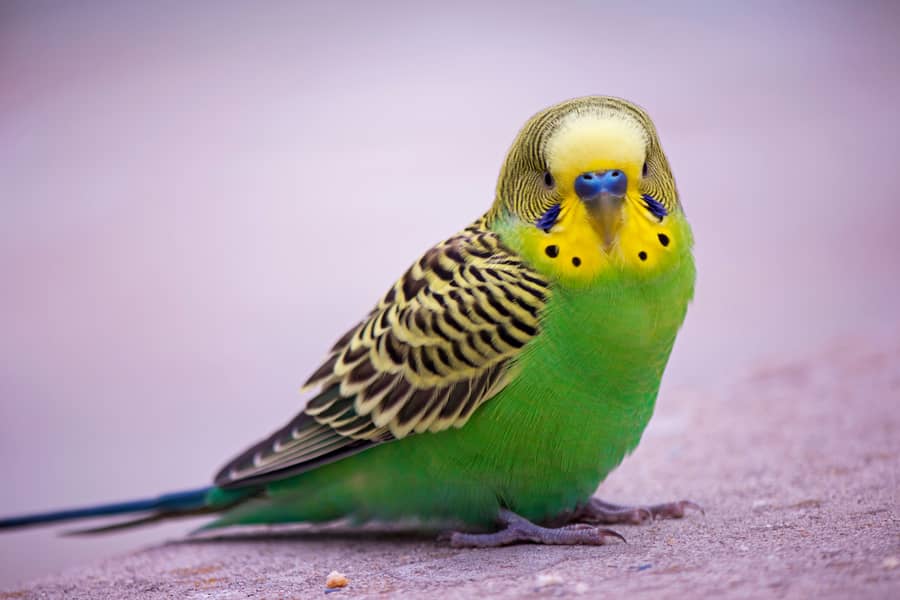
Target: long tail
x=177, y=504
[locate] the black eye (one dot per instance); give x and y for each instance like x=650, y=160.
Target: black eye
x=548, y=180
x=644, y=170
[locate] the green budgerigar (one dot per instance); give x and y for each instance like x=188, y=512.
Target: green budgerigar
x=505, y=374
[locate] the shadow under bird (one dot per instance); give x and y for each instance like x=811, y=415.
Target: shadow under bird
x=505, y=374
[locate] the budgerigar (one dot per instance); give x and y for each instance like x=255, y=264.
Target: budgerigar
x=505, y=374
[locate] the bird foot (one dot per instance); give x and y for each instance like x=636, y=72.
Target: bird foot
x=598, y=511
x=519, y=529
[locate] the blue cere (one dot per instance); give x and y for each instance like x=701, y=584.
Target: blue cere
x=591, y=185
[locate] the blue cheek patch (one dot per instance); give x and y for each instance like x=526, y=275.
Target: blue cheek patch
x=655, y=207
x=548, y=219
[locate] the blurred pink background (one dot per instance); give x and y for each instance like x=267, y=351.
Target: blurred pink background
x=198, y=200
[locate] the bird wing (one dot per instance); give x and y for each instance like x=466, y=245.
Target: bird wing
x=438, y=345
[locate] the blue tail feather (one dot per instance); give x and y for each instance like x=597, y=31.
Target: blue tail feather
x=176, y=502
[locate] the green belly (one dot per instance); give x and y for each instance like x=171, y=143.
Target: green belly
x=584, y=392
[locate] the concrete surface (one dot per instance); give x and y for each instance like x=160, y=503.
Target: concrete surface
x=796, y=463
x=178, y=248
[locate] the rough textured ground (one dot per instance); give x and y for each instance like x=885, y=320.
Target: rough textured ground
x=797, y=465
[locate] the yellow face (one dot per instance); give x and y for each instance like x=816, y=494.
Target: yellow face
x=573, y=250
x=577, y=246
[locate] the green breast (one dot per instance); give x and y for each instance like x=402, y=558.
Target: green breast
x=582, y=392
x=586, y=387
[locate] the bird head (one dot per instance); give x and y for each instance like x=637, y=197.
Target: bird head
x=586, y=186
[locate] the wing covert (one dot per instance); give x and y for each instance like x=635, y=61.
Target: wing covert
x=437, y=345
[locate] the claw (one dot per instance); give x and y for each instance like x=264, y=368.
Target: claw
x=598, y=511
x=674, y=510
x=694, y=506
x=611, y=533
x=577, y=527
x=518, y=529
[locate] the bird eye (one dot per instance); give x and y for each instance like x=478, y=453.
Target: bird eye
x=644, y=170
x=548, y=180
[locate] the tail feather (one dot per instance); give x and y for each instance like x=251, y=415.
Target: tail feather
x=166, y=505
x=144, y=520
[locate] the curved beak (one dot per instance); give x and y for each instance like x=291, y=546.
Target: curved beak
x=603, y=194
x=607, y=212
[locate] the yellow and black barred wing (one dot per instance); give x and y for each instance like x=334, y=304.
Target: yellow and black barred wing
x=439, y=344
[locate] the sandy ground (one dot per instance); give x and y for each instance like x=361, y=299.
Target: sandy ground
x=795, y=463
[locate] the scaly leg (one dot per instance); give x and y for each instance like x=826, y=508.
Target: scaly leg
x=519, y=529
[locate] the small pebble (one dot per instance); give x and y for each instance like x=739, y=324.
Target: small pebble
x=891, y=562
x=336, y=580
x=547, y=579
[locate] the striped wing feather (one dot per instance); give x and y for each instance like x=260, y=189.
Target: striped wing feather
x=438, y=345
